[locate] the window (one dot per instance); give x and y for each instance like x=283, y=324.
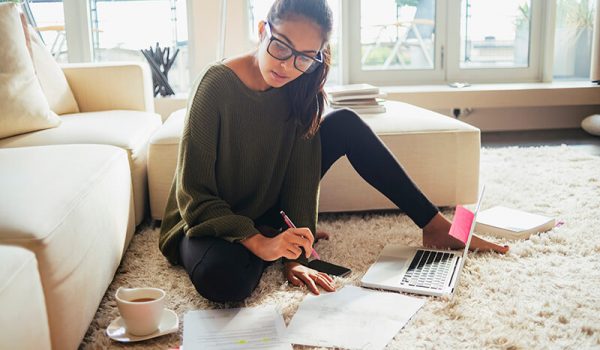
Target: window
x=397, y=42
x=432, y=42
x=397, y=34
x=494, y=41
x=573, y=39
x=385, y=42
x=121, y=28
x=494, y=34
x=49, y=21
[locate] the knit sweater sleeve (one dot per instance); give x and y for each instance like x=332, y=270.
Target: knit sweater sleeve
x=204, y=212
x=300, y=192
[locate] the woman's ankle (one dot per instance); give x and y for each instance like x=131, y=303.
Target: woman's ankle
x=436, y=224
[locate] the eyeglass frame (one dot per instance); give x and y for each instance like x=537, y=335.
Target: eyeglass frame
x=317, y=60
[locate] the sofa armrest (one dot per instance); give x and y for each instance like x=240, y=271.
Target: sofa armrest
x=107, y=86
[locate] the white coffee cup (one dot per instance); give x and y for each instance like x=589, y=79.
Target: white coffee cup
x=141, y=309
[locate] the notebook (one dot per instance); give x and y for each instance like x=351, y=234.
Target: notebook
x=511, y=223
x=423, y=271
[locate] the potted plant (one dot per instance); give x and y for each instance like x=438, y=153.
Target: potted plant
x=522, y=27
x=574, y=31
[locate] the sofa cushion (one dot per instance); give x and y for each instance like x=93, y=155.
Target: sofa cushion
x=51, y=77
x=129, y=130
x=23, y=320
x=72, y=206
x=23, y=106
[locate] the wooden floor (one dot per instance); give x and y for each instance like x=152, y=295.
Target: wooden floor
x=571, y=137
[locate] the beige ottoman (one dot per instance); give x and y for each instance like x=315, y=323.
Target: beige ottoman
x=23, y=320
x=440, y=153
x=72, y=206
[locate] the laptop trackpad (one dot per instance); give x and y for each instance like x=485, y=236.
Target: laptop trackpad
x=387, y=271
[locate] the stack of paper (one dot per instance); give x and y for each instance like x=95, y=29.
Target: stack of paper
x=352, y=318
x=244, y=328
x=362, y=98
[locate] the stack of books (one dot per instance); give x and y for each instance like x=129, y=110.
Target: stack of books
x=512, y=223
x=361, y=98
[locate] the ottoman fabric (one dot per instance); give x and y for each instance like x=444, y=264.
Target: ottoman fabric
x=163, y=148
x=441, y=154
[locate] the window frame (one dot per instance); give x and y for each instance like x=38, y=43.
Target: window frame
x=447, y=51
x=446, y=55
x=78, y=28
x=532, y=73
x=392, y=77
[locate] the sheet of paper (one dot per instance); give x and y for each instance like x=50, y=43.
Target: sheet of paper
x=243, y=328
x=461, y=225
x=351, y=318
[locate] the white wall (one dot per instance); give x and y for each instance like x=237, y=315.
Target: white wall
x=530, y=118
x=204, y=18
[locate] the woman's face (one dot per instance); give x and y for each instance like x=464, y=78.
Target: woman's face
x=300, y=34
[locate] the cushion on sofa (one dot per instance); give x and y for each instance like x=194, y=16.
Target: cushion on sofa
x=129, y=130
x=51, y=77
x=23, y=106
x=72, y=206
x=23, y=320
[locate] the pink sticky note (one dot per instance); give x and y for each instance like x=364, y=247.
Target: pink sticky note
x=461, y=225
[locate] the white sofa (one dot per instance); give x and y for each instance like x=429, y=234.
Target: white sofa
x=72, y=206
x=116, y=108
x=20, y=280
x=441, y=155
x=72, y=193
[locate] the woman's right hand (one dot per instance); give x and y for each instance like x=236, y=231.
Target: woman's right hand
x=286, y=244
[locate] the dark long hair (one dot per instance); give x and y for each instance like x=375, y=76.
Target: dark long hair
x=306, y=94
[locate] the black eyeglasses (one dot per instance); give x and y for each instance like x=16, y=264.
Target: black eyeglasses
x=282, y=51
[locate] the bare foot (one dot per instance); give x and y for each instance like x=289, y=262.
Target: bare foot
x=435, y=235
x=321, y=235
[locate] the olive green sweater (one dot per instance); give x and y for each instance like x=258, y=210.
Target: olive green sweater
x=240, y=154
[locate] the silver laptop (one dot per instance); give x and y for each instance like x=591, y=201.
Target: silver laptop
x=419, y=271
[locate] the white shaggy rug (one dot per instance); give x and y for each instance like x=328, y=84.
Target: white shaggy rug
x=543, y=294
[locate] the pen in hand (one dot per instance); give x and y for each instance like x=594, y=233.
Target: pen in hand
x=291, y=225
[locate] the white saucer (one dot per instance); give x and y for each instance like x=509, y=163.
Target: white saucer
x=168, y=324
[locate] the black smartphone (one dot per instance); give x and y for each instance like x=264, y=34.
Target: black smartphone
x=329, y=268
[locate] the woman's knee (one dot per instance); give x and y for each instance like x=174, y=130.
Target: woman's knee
x=347, y=120
x=223, y=279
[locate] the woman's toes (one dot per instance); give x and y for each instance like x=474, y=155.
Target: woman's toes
x=322, y=235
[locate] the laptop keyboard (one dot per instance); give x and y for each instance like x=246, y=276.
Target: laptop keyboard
x=428, y=269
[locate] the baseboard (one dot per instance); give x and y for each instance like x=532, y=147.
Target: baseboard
x=526, y=118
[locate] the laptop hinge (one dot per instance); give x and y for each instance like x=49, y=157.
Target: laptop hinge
x=454, y=272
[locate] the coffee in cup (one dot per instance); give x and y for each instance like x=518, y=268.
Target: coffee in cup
x=141, y=309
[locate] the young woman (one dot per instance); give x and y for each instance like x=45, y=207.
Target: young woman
x=254, y=143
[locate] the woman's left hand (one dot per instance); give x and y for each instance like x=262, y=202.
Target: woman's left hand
x=299, y=274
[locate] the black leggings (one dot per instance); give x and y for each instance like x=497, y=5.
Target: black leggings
x=222, y=271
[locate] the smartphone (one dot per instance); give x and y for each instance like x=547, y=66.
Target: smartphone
x=329, y=268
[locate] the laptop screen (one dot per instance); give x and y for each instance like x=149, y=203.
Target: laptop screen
x=463, y=223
